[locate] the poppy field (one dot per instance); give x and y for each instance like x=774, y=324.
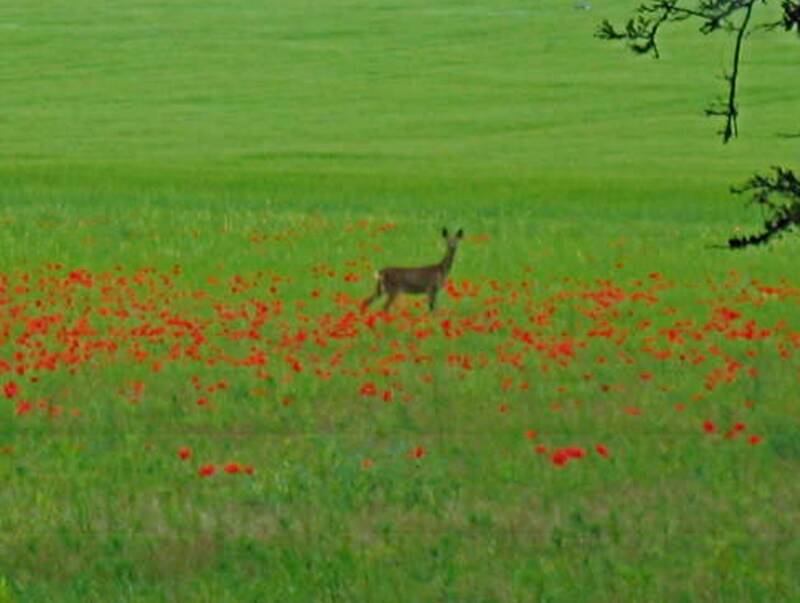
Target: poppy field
x=196, y=406
x=254, y=434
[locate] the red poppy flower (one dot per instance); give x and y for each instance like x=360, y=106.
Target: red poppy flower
x=575, y=452
x=559, y=458
x=755, y=440
x=368, y=389
x=206, y=470
x=602, y=450
x=184, y=453
x=233, y=468
x=418, y=452
x=10, y=389
x=709, y=427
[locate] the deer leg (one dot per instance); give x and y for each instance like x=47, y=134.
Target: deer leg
x=367, y=302
x=378, y=292
x=392, y=295
x=432, y=299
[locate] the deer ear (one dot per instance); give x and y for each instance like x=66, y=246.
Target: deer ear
x=460, y=233
x=444, y=232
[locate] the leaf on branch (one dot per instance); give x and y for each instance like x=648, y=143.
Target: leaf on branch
x=780, y=216
x=640, y=33
x=606, y=31
x=791, y=15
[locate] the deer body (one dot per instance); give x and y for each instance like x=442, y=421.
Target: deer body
x=424, y=279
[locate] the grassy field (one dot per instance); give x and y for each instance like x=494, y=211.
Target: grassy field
x=194, y=407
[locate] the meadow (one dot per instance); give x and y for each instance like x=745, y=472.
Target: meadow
x=194, y=406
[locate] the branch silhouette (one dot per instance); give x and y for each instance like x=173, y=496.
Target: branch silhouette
x=736, y=17
x=779, y=217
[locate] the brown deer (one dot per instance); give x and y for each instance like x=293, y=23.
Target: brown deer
x=425, y=279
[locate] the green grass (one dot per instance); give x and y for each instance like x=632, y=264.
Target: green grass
x=265, y=139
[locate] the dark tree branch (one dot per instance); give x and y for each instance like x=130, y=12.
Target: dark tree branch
x=778, y=195
x=784, y=183
x=780, y=216
x=791, y=15
x=788, y=21
x=730, y=111
x=642, y=30
x=641, y=33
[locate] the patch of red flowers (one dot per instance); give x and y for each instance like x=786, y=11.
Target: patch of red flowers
x=53, y=325
x=368, y=389
x=23, y=407
x=417, y=452
x=207, y=470
x=561, y=456
x=231, y=468
x=10, y=389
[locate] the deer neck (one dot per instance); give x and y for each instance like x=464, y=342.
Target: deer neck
x=447, y=261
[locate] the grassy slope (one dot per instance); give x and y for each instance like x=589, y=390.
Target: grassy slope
x=504, y=108
x=397, y=99
x=185, y=127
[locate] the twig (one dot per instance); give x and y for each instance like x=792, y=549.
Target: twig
x=730, y=111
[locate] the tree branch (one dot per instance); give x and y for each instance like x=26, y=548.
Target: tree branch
x=730, y=111
x=641, y=33
x=791, y=15
x=780, y=216
x=778, y=195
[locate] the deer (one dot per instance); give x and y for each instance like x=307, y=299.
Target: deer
x=424, y=279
